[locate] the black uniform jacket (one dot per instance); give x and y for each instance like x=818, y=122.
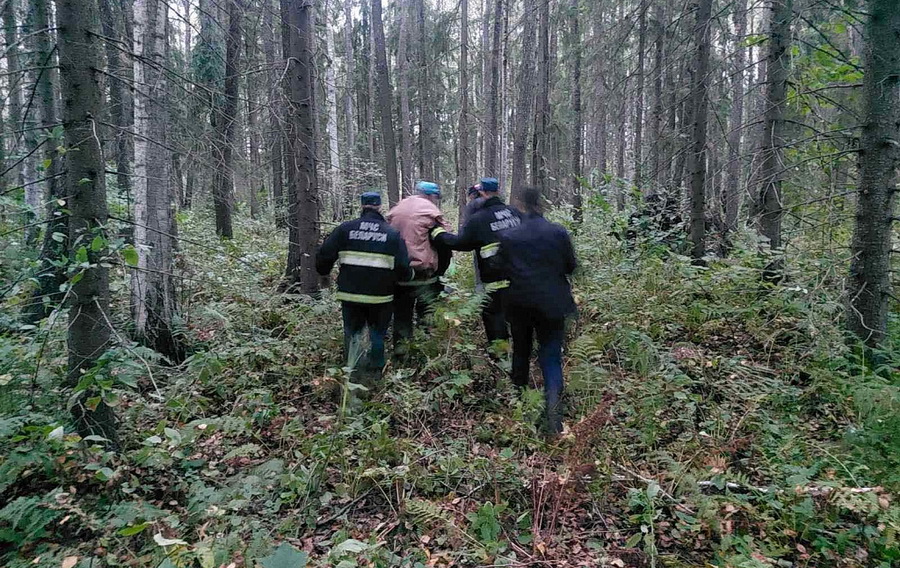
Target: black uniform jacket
x=482, y=233
x=538, y=258
x=372, y=256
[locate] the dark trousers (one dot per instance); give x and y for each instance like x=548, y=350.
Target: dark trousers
x=526, y=324
x=409, y=302
x=377, y=317
x=493, y=315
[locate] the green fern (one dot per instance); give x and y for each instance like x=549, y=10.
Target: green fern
x=427, y=515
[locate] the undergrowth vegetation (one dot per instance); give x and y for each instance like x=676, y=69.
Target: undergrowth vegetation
x=712, y=419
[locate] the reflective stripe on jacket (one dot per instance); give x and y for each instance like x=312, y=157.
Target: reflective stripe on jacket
x=372, y=257
x=482, y=233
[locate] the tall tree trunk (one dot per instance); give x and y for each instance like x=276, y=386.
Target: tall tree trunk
x=578, y=128
x=656, y=123
x=51, y=274
x=370, y=84
x=760, y=107
x=426, y=111
x=331, y=127
x=481, y=85
x=524, y=99
x=255, y=177
x=223, y=185
x=697, y=155
x=384, y=102
x=639, y=97
x=771, y=170
x=869, y=285
x=275, y=140
x=406, y=146
x=152, y=283
x=491, y=153
x=463, y=155
x=620, y=162
x=542, y=104
x=303, y=205
x=733, y=179
x=89, y=329
x=118, y=106
x=350, y=71
x=14, y=81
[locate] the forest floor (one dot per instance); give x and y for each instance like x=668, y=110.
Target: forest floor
x=711, y=420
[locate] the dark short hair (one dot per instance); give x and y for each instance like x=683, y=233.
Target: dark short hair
x=530, y=198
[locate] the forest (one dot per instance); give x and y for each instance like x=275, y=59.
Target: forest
x=172, y=389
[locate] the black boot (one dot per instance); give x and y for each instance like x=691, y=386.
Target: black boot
x=554, y=413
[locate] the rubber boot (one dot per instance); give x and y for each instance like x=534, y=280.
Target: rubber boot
x=554, y=413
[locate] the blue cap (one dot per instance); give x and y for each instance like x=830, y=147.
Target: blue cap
x=428, y=188
x=370, y=198
x=490, y=184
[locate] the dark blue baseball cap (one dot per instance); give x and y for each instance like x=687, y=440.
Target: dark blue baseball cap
x=490, y=184
x=370, y=198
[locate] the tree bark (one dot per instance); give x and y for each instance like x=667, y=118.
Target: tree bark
x=639, y=97
x=656, y=121
x=491, y=153
x=118, y=104
x=152, y=282
x=370, y=85
x=406, y=145
x=524, y=100
x=463, y=155
x=542, y=102
x=51, y=274
x=223, y=184
x=255, y=178
x=276, y=137
x=428, y=162
x=89, y=330
x=869, y=284
x=697, y=155
x=350, y=70
x=331, y=126
x=303, y=204
x=14, y=81
x=772, y=151
x=733, y=179
x=385, y=106
x=578, y=128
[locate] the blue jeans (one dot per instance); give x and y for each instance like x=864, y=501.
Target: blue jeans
x=526, y=323
x=377, y=317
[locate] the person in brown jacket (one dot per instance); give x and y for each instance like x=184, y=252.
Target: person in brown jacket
x=415, y=217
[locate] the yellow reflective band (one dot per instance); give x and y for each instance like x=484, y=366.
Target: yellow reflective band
x=487, y=251
x=363, y=298
x=370, y=259
x=498, y=285
x=437, y=231
x=419, y=282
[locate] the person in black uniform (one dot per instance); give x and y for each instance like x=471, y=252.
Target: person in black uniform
x=538, y=258
x=373, y=259
x=481, y=233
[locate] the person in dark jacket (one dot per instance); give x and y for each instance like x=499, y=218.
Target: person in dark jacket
x=474, y=202
x=373, y=259
x=481, y=233
x=538, y=258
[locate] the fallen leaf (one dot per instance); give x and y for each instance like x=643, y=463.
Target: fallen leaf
x=69, y=561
